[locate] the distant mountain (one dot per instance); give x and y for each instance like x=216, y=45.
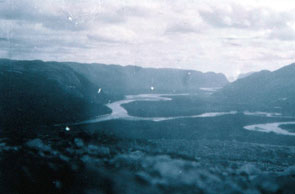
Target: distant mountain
x=35, y=92
x=273, y=90
x=115, y=79
x=243, y=75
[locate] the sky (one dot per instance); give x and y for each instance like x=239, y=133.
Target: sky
x=227, y=36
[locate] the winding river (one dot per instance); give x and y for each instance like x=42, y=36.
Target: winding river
x=271, y=127
x=119, y=112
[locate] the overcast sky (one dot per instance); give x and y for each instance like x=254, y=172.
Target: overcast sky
x=228, y=36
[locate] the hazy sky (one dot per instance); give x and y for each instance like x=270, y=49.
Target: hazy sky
x=229, y=36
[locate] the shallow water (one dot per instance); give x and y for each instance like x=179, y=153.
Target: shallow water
x=271, y=127
x=119, y=112
x=264, y=114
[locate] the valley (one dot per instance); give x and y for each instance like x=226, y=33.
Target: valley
x=143, y=140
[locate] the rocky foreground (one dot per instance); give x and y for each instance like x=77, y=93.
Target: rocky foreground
x=79, y=162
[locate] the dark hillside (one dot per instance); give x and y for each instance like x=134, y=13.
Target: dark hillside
x=36, y=93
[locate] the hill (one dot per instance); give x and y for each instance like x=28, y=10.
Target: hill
x=35, y=92
x=243, y=75
x=115, y=79
x=265, y=89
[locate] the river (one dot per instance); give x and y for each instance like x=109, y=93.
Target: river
x=119, y=112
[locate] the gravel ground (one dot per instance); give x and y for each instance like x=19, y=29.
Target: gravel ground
x=98, y=163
